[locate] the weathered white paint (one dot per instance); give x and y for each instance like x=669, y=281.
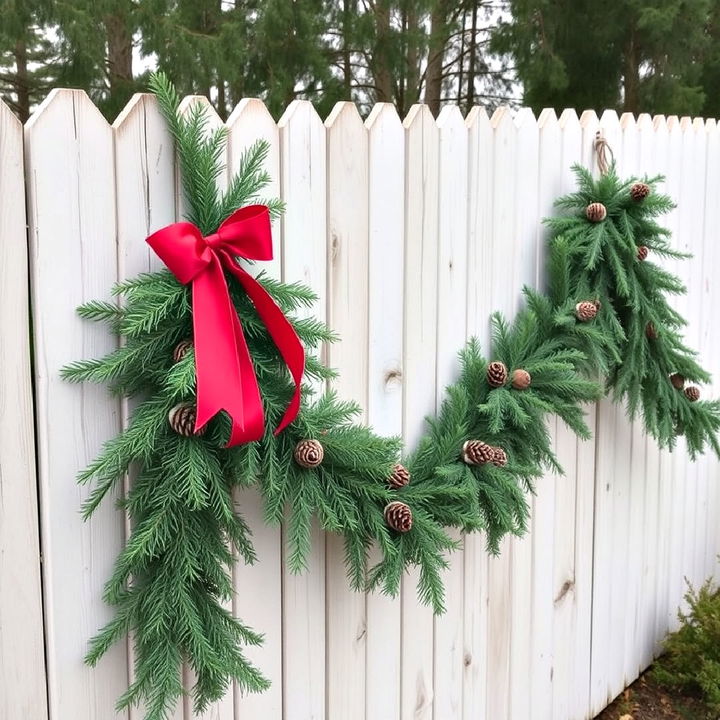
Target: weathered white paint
x=411, y=233
x=22, y=688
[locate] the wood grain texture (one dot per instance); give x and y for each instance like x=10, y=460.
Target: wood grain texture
x=303, y=156
x=71, y=219
x=386, y=382
x=250, y=122
x=22, y=681
x=347, y=308
x=411, y=233
x=145, y=201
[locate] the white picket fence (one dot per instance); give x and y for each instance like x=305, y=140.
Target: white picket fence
x=411, y=232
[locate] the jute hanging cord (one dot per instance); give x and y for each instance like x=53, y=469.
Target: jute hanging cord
x=602, y=150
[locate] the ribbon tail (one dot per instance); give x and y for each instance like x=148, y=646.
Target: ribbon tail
x=282, y=333
x=225, y=373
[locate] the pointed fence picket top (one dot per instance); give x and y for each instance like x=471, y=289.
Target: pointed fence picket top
x=543, y=662
x=222, y=709
x=347, y=308
x=303, y=187
x=249, y=122
x=480, y=193
x=386, y=283
x=22, y=691
x=451, y=302
x=419, y=368
x=145, y=201
x=71, y=224
x=505, y=298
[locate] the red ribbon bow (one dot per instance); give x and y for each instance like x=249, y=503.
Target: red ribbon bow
x=225, y=375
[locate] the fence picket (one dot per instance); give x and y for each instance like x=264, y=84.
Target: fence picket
x=74, y=259
x=22, y=688
x=249, y=122
x=419, y=363
x=347, y=234
x=303, y=188
x=145, y=201
x=386, y=234
x=451, y=302
x=479, y=307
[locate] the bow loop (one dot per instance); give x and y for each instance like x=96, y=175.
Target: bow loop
x=247, y=233
x=225, y=374
x=183, y=250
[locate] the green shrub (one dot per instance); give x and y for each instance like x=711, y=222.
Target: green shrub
x=692, y=659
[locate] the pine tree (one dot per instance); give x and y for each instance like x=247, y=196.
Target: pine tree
x=611, y=261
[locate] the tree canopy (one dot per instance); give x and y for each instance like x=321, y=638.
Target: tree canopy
x=659, y=56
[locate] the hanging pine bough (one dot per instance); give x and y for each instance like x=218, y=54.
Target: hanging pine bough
x=171, y=581
x=602, y=249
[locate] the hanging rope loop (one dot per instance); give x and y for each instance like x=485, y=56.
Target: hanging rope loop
x=602, y=150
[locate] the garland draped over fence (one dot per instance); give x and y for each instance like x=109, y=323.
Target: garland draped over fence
x=605, y=312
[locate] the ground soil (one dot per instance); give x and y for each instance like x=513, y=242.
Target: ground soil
x=646, y=700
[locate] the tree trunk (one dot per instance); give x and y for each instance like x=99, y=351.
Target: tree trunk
x=22, y=81
x=472, y=51
x=412, y=82
x=119, y=44
x=381, y=59
x=348, y=11
x=436, y=54
x=631, y=80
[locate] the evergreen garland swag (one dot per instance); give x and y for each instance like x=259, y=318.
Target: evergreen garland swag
x=472, y=470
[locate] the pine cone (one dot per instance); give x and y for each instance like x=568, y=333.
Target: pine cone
x=642, y=252
x=521, y=379
x=400, y=477
x=651, y=331
x=398, y=516
x=309, y=453
x=596, y=212
x=678, y=381
x=499, y=457
x=692, y=393
x=181, y=350
x=497, y=374
x=639, y=191
x=477, y=452
x=182, y=420
x=585, y=311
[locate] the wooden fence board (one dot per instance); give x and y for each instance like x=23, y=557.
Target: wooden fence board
x=22, y=687
x=73, y=247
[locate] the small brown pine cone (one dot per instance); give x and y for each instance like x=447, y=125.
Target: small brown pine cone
x=596, y=212
x=521, y=379
x=586, y=310
x=499, y=457
x=182, y=420
x=398, y=516
x=639, y=191
x=642, y=252
x=181, y=350
x=497, y=374
x=400, y=477
x=651, y=331
x=678, y=381
x=692, y=393
x=309, y=453
x=477, y=452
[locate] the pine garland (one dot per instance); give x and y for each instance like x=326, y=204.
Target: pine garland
x=472, y=471
x=611, y=261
